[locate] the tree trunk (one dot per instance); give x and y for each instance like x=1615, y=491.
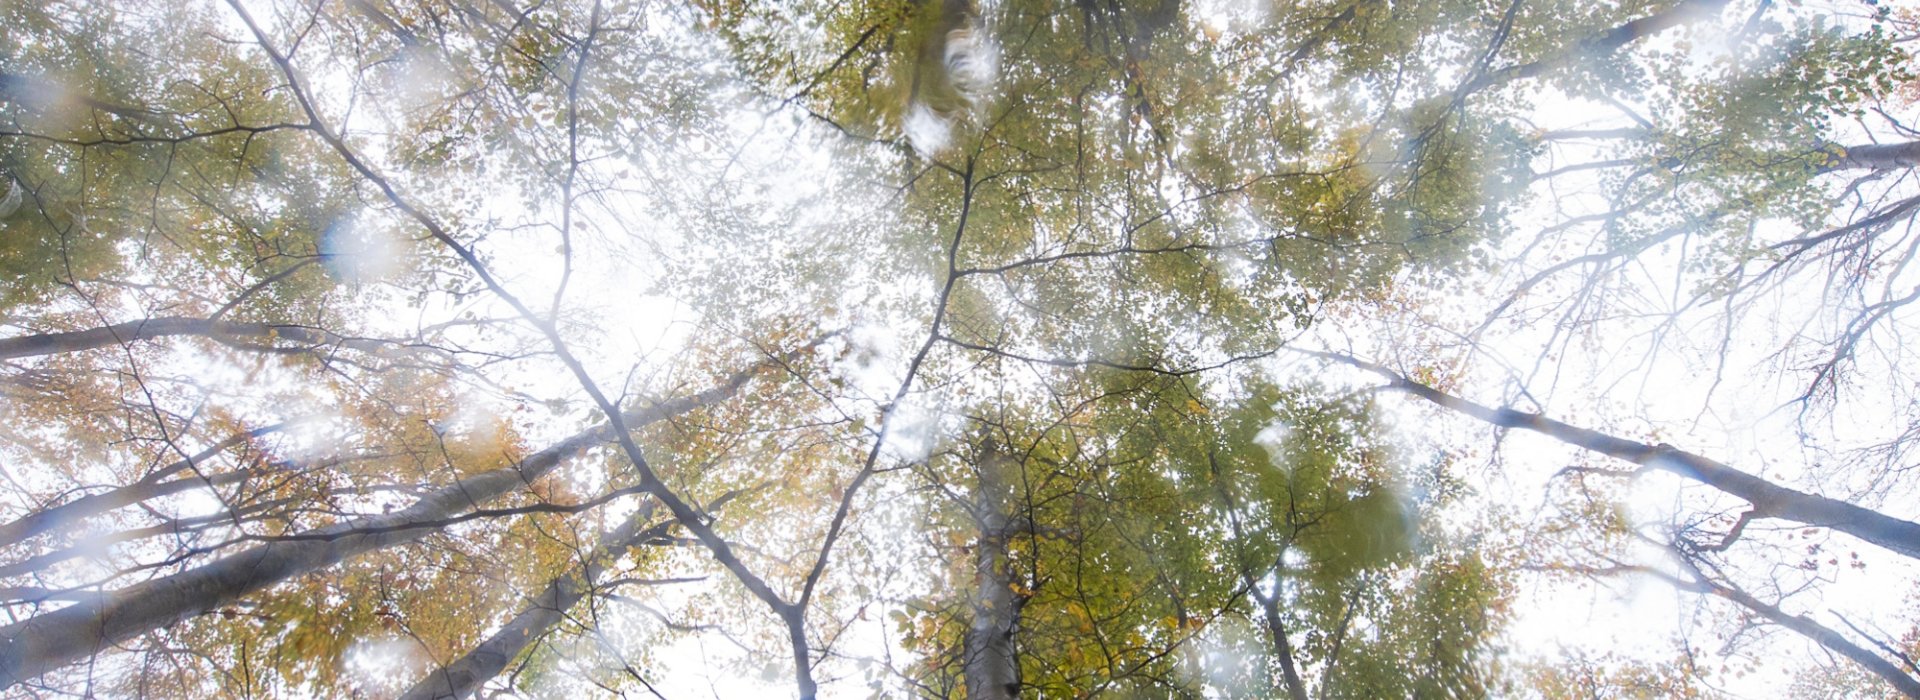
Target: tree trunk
x=1877, y=156
x=222, y=331
x=991, y=670
x=1817, y=632
x=1282, y=648
x=1825, y=636
x=1603, y=44
x=462, y=678
x=39, y=644
x=152, y=486
x=1769, y=500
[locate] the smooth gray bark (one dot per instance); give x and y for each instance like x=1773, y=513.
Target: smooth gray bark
x=990, y=668
x=1819, y=633
x=462, y=678
x=1769, y=500
x=147, y=329
x=42, y=643
x=1825, y=636
x=151, y=486
x=1269, y=604
x=1877, y=156
x=1277, y=636
x=1602, y=44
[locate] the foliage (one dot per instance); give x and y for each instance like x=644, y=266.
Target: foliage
x=942, y=341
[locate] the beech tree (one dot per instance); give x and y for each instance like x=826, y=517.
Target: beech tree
x=943, y=349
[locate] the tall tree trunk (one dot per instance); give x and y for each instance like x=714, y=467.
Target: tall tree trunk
x=1250, y=577
x=1877, y=156
x=990, y=668
x=222, y=331
x=1821, y=634
x=1603, y=44
x=1769, y=500
x=149, y=487
x=460, y=679
x=1817, y=632
x=39, y=644
x=1277, y=633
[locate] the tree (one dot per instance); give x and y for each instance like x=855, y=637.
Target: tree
x=445, y=348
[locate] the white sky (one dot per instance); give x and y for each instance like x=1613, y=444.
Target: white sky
x=631, y=339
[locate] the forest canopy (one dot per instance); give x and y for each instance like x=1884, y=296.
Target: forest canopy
x=978, y=349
